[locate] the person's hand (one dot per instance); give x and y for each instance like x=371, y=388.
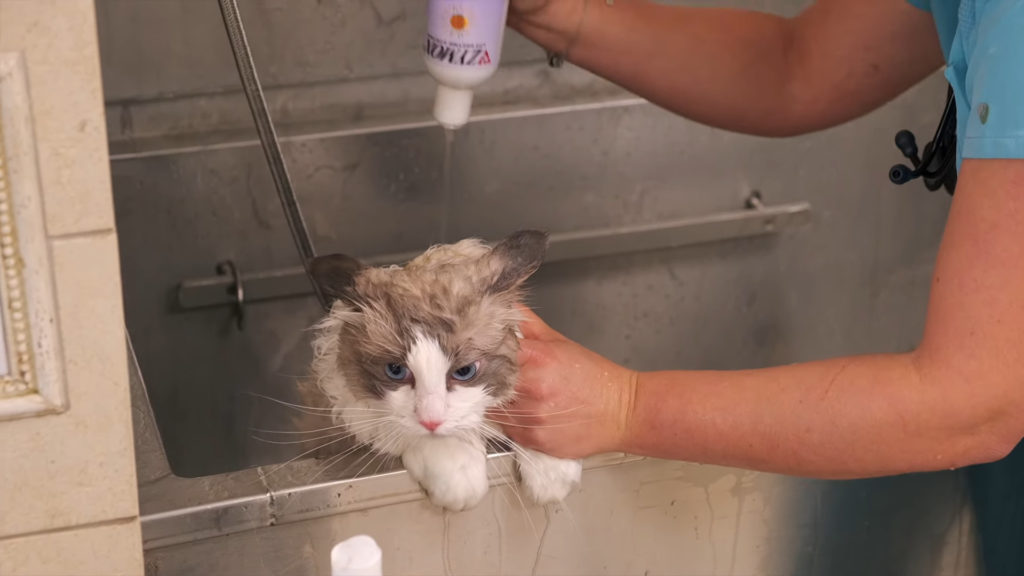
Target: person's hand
x=527, y=8
x=552, y=23
x=570, y=402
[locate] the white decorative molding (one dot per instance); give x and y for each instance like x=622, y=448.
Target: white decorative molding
x=31, y=366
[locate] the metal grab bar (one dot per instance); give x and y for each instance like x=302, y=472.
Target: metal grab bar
x=755, y=219
x=298, y=503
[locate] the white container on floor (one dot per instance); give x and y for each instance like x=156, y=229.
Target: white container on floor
x=357, y=556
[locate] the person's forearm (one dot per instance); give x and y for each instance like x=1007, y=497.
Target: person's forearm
x=724, y=68
x=843, y=418
x=746, y=71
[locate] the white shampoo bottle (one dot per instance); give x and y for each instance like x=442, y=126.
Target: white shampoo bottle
x=462, y=51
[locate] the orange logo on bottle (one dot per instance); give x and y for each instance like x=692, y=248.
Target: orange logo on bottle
x=459, y=22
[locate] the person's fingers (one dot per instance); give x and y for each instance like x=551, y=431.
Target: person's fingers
x=533, y=327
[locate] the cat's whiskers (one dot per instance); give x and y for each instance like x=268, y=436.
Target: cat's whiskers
x=317, y=414
x=297, y=377
x=523, y=455
x=389, y=438
x=540, y=426
x=484, y=432
x=354, y=431
x=319, y=411
x=386, y=460
x=315, y=430
x=385, y=442
x=302, y=441
x=525, y=458
x=330, y=462
x=388, y=452
x=516, y=448
x=306, y=453
x=286, y=403
x=505, y=479
x=523, y=413
x=513, y=486
x=369, y=451
x=519, y=450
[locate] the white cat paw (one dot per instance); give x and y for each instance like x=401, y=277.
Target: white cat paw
x=547, y=479
x=453, y=473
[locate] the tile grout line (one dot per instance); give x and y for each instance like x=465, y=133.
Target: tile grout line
x=84, y=235
x=77, y=528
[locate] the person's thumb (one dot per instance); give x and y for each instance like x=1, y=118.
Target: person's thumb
x=534, y=328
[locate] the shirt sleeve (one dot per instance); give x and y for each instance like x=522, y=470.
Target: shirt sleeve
x=994, y=83
x=925, y=5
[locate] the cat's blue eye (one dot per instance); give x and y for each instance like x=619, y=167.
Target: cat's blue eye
x=467, y=372
x=397, y=371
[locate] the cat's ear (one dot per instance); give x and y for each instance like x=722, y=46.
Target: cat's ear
x=335, y=276
x=517, y=258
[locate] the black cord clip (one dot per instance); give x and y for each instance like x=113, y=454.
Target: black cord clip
x=938, y=166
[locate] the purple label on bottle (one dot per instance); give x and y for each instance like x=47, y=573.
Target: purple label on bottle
x=465, y=33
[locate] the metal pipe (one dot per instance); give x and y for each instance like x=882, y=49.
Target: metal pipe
x=268, y=138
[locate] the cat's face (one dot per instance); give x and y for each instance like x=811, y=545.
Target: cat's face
x=427, y=348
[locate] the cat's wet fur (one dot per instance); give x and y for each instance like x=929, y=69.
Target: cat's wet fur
x=393, y=353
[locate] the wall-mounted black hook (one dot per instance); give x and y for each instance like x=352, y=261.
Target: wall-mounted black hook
x=236, y=290
x=754, y=201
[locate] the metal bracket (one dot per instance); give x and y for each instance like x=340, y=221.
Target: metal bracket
x=755, y=219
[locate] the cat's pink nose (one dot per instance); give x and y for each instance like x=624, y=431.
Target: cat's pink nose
x=430, y=424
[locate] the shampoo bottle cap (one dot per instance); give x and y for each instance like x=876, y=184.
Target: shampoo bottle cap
x=452, y=106
x=357, y=556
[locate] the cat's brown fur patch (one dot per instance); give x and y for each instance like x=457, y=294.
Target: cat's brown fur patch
x=464, y=295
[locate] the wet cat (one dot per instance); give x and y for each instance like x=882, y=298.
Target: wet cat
x=412, y=357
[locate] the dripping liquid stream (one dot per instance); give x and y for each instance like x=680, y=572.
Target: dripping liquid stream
x=446, y=185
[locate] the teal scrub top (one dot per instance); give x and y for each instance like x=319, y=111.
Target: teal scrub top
x=983, y=42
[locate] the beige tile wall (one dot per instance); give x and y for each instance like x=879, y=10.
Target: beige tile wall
x=58, y=38
x=97, y=550
x=68, y=502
